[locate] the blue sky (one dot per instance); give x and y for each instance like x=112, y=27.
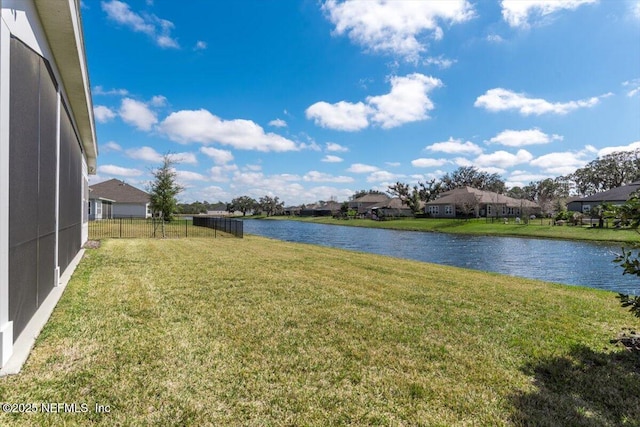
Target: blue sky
x=313, y=100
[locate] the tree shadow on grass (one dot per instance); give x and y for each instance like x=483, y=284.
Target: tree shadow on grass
x=585, y=388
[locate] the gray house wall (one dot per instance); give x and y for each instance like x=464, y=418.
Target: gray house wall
x=43, y=161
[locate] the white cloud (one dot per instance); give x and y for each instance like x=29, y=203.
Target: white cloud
x=315, y=176
x=392, y=164
x=499, y=99
x=137, y=114
x=518, y=13
x=519, y=138
x=118, y=170
x=407, y=102
x=111, y=146
x=333, y=147
x=428, y=163
x=608, y=150
x=560, y=163
x=633, y=85
x=635, y=9
x=99, y=90
x=148, y=154
x=103, y=114
x=383, y=177
x=395, y=27
x=189, y=176
x=524, y=176
x=495, y=38
x=332, y=159
x=361, y=168
x=222, y=173
x=201, y=126
x=503, y=159
x=200, y=45
x=455, y=146
x=440, y=62
x=219, y=157
x=340, y=116
x=278, y=123
x=181, y=158
x=158, y=101
x=156, y=28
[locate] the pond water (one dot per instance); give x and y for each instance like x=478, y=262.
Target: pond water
x=561, y=261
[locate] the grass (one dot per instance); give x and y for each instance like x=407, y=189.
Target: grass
x=255, y=332
x=536, y=228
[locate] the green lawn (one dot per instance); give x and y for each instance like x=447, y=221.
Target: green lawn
x=255, y=332
x=536, y=228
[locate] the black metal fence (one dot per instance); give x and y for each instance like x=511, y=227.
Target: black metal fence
x=227, y=225
x=155, y=228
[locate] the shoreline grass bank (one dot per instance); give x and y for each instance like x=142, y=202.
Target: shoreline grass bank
x=483, y=227
x=256, y=331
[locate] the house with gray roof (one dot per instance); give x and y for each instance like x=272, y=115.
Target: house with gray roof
x=120, y=199
x=364, y=204
x=468, y=202
x=615, y=196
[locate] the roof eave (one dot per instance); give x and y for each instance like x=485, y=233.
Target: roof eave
x=62, y=25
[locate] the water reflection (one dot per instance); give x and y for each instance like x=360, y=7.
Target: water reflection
x=575, y=263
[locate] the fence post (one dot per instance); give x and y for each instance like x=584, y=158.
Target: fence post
x=120, y=227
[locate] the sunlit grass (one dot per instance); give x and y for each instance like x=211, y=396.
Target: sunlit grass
x=260, y=332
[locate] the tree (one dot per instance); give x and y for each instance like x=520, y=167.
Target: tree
x=413, y=196
x=470, y=176
x=549, y=193
x=607, y=172
x=630, y=262
x=408, y=196
x=164, y=189
x=270, y=205
x=361, y=193
x=243, y=204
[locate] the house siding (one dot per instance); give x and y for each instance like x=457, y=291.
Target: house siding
x=43, y=168
x=128, y=210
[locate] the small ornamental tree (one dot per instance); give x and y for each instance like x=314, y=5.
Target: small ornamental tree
x=164, y=189
x=629, y=213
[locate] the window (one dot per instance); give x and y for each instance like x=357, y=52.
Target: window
x=89, y=209
x=488, y=210
x=448, y=210
x=434, y=210
x=98, y=208
x=586, y=208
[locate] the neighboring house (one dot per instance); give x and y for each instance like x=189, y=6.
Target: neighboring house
x=467, y=202
x=100, y=208
x=615, y=196
x=364, y=204
x=292, y=210
x=47, y=150
x=329, y=208
x=220, y=209
x=127, y=200
x=395, y=208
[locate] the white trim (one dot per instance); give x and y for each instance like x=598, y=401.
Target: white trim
x=6, y=327
x=56, y=258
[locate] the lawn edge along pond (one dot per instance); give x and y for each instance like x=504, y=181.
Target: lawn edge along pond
x=535, y=229
x=257, y=331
